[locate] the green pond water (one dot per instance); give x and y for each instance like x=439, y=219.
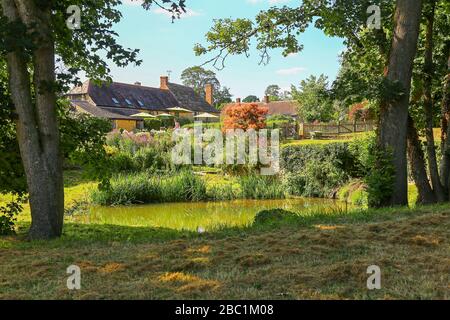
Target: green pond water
x=207, y=215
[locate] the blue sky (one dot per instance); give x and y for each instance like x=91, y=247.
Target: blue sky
x=166, y=46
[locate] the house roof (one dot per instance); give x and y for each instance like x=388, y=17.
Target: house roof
x=288, y=107
x=123, y=97
x=98, y=111
x=188, y=98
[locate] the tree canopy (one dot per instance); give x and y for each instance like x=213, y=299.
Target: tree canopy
x=197, y=78
x=43, y=57
x=251, y=98
x=313, y=99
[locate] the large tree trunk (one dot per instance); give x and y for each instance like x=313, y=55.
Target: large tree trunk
x=392, y=129
x=37, y=128
x=445, y=132
x=417, y=164
x=428, y=104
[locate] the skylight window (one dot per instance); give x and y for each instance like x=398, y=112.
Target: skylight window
x=128, y=102
x=140, y=103
x=115, y=100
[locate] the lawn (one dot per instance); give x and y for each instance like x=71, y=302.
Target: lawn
x=341, y=138
x=319, y=256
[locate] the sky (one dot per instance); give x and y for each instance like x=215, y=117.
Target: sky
x=169, y=46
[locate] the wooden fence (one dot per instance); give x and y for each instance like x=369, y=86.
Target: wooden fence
x=335, y=129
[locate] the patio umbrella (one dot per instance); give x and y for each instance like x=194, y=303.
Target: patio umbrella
x=143, y=115
x=162, y=115
x=179, y=110
x=206, y=115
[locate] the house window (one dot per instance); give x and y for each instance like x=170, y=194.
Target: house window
x=115, y=100
x=128, y=102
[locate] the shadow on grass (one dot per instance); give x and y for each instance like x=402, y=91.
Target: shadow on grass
x=74, y=178
x=75, y=234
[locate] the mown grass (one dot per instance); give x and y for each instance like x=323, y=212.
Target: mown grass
x=309, y=257
x=315, y=255
x=341, y=138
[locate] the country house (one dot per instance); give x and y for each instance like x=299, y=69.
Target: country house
x=286, y=107
x=119, y=102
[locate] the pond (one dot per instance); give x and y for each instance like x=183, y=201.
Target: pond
x=207, y=215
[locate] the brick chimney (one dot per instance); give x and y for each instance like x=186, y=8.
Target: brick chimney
x=238, y=100
x=209, y=91
x=266, y=99
x=164, y=83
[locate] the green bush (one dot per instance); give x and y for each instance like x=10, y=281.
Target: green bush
x=123, y=162
x=205, y=125
x=279, y=121
x=317, y=170
x=375, y=167
x=9, y=212
x=151, y=159
x=184, y=121
x=143, y=151
x=361, y=150
x=152, y=124
x=380, y=178
x=315, y=179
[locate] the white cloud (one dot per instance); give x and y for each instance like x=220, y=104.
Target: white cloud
x=290, y=71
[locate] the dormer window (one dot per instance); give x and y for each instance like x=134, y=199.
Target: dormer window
x=128, y=102
x=115, y=100
x=140, y=103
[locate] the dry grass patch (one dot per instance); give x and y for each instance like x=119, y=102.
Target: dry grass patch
x=322, y=260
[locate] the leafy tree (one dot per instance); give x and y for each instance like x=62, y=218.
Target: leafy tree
x=245, y=116
x=389, y=50
x=33, y=36
x=11, y=170
x=222, y=97
x=251, y=98
x=286, y=95
x=198, y=77
x=360, y=111
x=273, y=91
x=313, y=99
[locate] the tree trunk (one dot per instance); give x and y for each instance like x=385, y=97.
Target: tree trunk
x=37, y=128
x=392, y=129
x=445, y=127
x=417, y=163
x=428, y=104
